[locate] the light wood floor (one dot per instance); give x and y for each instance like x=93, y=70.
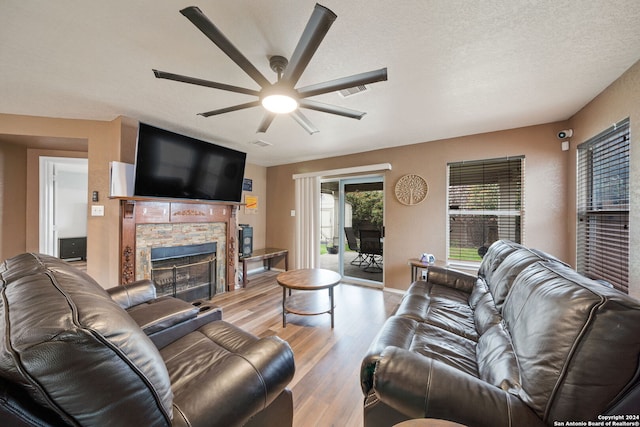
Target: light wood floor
x=326, y=386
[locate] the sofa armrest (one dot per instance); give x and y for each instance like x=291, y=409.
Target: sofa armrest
x=162, y=313
x=421, y=387
x=241, y=386
x=453, y=278
x=206, y=313
x=396, y=332
x=134, y=293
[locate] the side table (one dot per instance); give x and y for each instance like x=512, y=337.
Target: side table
x=416, y=264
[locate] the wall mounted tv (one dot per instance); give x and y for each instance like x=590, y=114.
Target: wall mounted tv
x=170, y=165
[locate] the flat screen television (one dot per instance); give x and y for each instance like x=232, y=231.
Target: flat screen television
x=170, y=165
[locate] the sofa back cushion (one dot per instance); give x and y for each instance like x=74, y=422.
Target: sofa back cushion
x=72, y=349
x=577, y=342
x=505, y=273
x=497, y=252
x=497, y=363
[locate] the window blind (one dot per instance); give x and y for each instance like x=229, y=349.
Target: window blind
x=603, y=206
x=485, y=205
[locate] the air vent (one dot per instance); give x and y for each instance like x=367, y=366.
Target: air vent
x=261, y=143
x=353, y=91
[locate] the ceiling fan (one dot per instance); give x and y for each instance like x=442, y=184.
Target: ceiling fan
x=282, y=96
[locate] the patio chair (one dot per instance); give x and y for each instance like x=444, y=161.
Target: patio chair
x=352, y=242
x=371, y=248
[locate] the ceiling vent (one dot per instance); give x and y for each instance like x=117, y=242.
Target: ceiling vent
x=353, y=91
x=261, y=143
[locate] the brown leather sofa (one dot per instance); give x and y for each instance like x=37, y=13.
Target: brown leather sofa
x=72, y=356
x=528, y=342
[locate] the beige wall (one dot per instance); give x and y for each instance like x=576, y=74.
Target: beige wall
x=13, y=179
x=618, y=101
x=257, y=220
x=411, y=230
x=104, y=142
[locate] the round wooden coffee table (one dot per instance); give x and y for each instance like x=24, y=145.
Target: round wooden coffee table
x=307, y=279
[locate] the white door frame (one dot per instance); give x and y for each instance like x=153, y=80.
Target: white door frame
x=48, y=233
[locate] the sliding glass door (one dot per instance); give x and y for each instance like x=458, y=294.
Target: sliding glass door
x=352, y=228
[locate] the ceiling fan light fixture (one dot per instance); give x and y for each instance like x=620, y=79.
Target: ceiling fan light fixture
x=281, y=97
x=279, y=103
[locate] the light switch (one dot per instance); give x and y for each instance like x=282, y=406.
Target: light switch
x=97, y=210
x=293, y=213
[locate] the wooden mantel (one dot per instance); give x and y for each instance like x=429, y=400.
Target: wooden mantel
x=137, y=211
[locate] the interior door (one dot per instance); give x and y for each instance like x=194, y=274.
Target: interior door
x=63, y=201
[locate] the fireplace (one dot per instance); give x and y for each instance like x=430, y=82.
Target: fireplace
x=186, y=272
x=147, y=225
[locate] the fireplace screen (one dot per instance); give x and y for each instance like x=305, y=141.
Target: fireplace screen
x=186, y=272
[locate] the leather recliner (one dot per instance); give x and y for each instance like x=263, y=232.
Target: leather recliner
x=72, y=356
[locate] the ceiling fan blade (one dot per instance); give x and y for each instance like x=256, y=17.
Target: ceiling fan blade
x=344, y=83
x=304, y=122
x=317, y=27
x=229, y=109
x=332, y=109
x=195, y=81
x=266, y=122
x=199, y=19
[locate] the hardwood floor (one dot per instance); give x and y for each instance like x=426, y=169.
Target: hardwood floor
x=326, y=386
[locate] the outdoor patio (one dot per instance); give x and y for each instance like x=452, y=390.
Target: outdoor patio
x=330, y=262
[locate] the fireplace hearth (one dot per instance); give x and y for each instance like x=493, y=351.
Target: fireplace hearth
x=186, y=272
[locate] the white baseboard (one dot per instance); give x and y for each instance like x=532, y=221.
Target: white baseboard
x=395, y=291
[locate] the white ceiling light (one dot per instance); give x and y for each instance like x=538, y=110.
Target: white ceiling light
x=279, y=103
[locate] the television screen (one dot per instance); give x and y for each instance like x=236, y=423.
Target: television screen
x=171, y=165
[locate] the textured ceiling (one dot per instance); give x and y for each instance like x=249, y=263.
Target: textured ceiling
x=456, y=67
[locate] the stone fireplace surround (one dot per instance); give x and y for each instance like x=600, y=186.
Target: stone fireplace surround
x=149, y=223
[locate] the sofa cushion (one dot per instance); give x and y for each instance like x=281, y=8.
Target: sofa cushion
x=75, y=350
x=449, y=348
x=479, y=290
x=486, y=315
x=439, y=305
x=419, y=337
x=575, y=340
x=497, y=362
x=248, y=372
x=497, y=252
x=504, y=275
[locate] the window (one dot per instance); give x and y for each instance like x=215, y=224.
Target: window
x=603, y=207
x=485, y=205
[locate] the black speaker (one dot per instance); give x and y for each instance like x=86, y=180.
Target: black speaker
x=245, y=239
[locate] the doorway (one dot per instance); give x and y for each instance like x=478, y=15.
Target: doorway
x=63, y=201
x=352, y=228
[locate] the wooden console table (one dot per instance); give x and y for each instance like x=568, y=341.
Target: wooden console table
x=265, y=255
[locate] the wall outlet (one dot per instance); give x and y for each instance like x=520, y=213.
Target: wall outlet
x=424, y=274
x=97, y=210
